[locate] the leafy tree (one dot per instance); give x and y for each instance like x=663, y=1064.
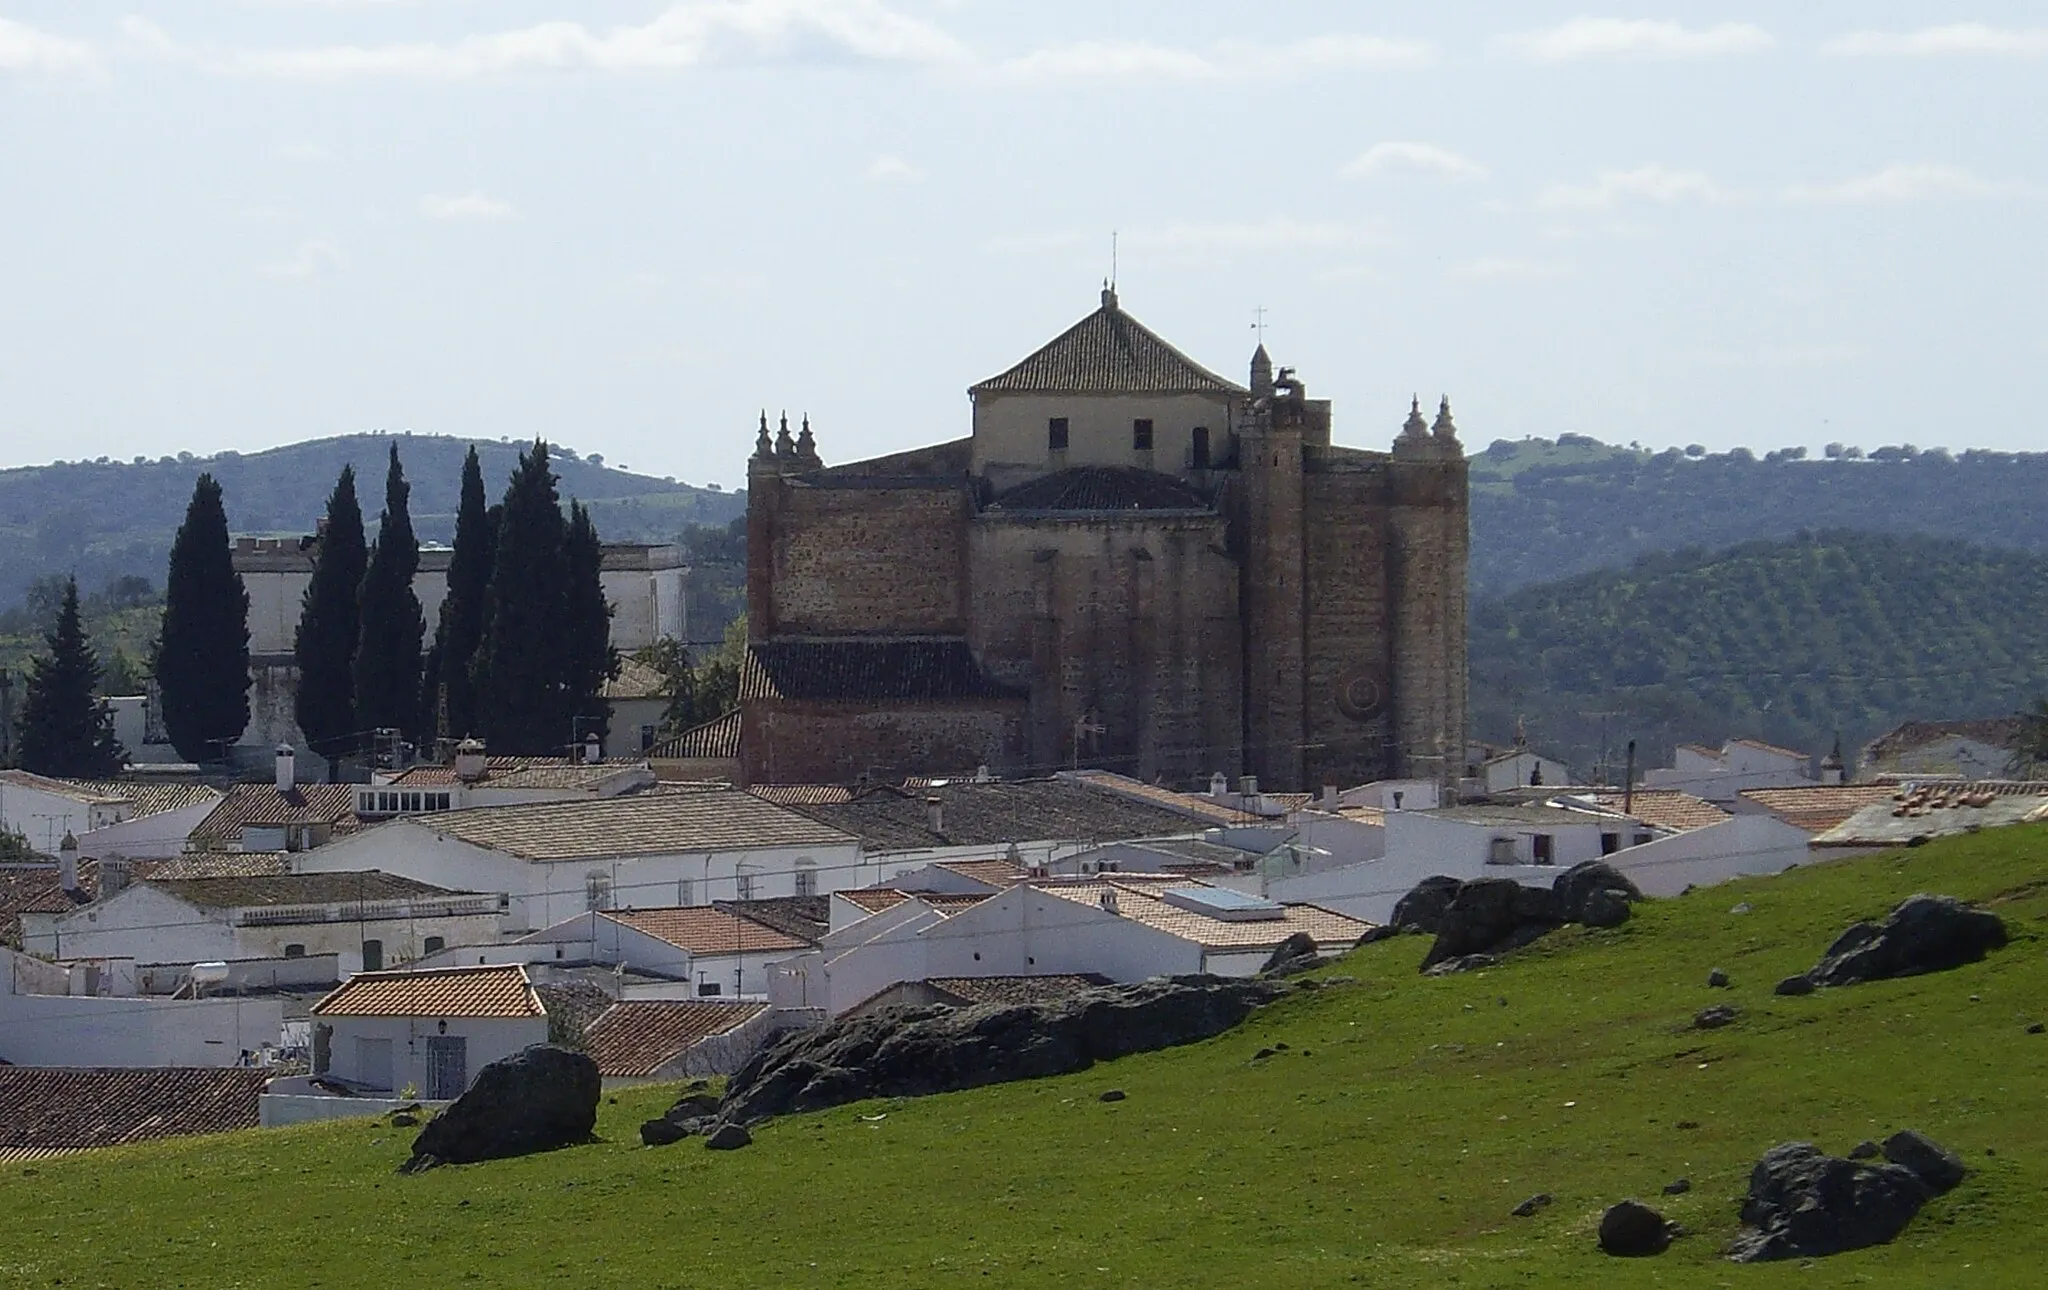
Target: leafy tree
x=523, y=701
x=66, y=728
x=202, y=651
x=2032, y=752
x=329, y=627
x=387, y=663
x=461, y=626
x=717, y=682
x=588, y=659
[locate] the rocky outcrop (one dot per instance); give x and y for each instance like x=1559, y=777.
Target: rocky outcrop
x=1633, y=1230
x=1422, y=909
x=535, y=1100
x=696, y=1111
x=1296, y=954
x=1804, y=1203
x=905, y=1052
x=1494, y=915
x=1923, y=934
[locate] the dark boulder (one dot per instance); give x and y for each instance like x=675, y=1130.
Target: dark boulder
x=534, y=1100
x=1298, y=953
x=1793, y=986
x=692, y=1113
x=728, y=1137
x=1721, y=1014
x=1528, y=1208
x=1938, y=1167
x=1463, y=963
x=1632, y=1229
x=1604, y=909
x=1923, y=934
x=1717, y=979
x=1490, y=915
x=1581, y=883
x=910, y=1052
x=1865, y=1150
x=1804, y=1203
x=1678, y=1187
x=1422, y=909
x=1112, y=1095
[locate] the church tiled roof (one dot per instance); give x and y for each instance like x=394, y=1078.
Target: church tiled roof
x=1108, y=352
x=867, y=669
x=715, y=739
x=1101, y=488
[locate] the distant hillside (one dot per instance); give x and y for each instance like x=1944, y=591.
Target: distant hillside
x=1543, y=510
x=103, y=519
x=1787, y=640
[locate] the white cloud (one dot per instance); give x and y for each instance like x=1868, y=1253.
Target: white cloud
x=467, y=206
x=1505, y=268
x=1963, y=38
x=684, y=36
x=1651, y=183
x=31, y=51
x=890, y=167
x=1639, y=38
x=316, y=255
x=1427, y=158
x=1142, y=60
x=1263, y=235
x=1901, y=183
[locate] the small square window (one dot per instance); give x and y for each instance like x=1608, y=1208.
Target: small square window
x=1141, y=434
x=1056, y=434
x=707, y=988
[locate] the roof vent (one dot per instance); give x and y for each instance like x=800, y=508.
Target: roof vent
x=1225, y=904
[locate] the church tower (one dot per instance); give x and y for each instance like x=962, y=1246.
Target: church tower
x=1270, y=440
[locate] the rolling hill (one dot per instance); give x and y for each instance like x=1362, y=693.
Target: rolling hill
x=103, y=519
x=1383, y=1141
x=1789, y=640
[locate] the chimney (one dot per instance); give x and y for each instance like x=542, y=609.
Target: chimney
x=935, y=812
x=113, y=875
x=1219, y=786
x=286, y=773
x=1248, y=788
x=469, y=760
x=981, y=775
x=1331, y=799
x=67, y=862
x=593, y=749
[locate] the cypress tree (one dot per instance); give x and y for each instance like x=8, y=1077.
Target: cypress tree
x=329, y=625
x=588, y=659
x=66, y=728
x=201, y=658
x=387, y=665
x=523, y=704
x=461, y=627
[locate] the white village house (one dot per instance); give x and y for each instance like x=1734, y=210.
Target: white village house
x=1721, y=775
x=135, y=821
x=88, y=1014
x=425, y=1033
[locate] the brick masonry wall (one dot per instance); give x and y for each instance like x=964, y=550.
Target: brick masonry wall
x=1348, y=712
x=834, y=743
x=868, y=561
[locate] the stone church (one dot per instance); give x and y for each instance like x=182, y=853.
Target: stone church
x=1131, y=563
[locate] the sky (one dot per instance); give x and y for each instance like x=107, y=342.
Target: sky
x=629, y=227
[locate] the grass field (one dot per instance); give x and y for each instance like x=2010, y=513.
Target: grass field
x=1384, y=1147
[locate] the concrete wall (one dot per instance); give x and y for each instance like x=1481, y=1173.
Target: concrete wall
x=1011, y=443
x=59, y=1030
x=490, y=1038
x=294, y=1099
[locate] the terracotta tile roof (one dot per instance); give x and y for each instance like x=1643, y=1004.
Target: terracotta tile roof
x=970, y=991
x=1663, y=808
x=1101, y=488
x=996, y=873
x=803, y=794
x=1108, y=352
x=495, y=991
x=876, y=899
x=1819, y=807
x=1937, y=810
x=807, y=918
x=144, y=797
x=636, y=1037
x=898, y=668
x=253, y=891
x=575, y=1004
x=1140, y=902
x=33, y=889
x=994, y=812
x=1194, y=806
x=636, y=680
x=261, y=804
x=551, y=773
x=223, y=864
x=1999, y=732
x=713, y=818
x=715, y=740
x=51, y=1109
x=703, y=929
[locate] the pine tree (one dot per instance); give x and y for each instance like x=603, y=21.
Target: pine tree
x=66, y=728
x=329, y=625
x=523, y=704
x=387, y=666
x=461, y=627
x=588, y=659
x=202, y=650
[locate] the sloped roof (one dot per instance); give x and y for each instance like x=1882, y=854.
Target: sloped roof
x=807, y=918
x=865, y=669
x=636, y=680
x=1141, y=903
x=1108, y=352
x=254, y=890
x=1819, y=807
x=702, y=929
x=493, y=991
x=1998, y=732
x=51, y=1109
x=1937, y=810
x=876, y=899
x=716, y=739
x=636, y=1037
x=144, y=798
x=1663, y=808
x=541, y=773
x=711, y=817
x=1100, y=488
x=1774, y=749
x=993, y=812
x=1194, y=806
x=262, y=804
x=222, y=864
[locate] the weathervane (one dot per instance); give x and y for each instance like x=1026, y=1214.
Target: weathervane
x=1259, y=323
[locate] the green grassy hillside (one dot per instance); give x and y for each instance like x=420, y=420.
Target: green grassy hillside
x=1789, y=640
x=1385, y=1146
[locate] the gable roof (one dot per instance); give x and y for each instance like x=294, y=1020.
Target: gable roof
x=222, y=864
x=263, y=804
x=1819, y=807
x=636, y=680
x=1998, y=732
x=994, y=812
x=1194, y=806
x=865, y=669
x=876, y=899
x=144, y=798
x=707, y=818
x=249, y=891
x=491, y=991
x=47, y=1109
x=637, y=1037
x=703, y=929
x=717, y=739
x=807, y=918
x=1773, y=749
x=1142, y=902
x=1108, y=352
x=528, y=773
x=1664, y=808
